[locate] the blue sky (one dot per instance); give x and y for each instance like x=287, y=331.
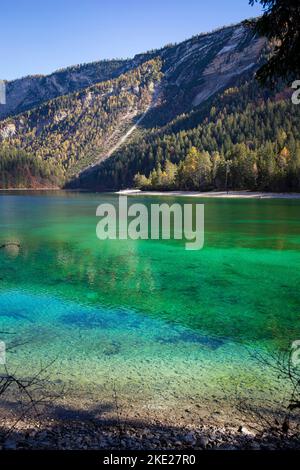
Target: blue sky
x=42, y=36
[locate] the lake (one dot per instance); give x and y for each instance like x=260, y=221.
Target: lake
x=170, y=334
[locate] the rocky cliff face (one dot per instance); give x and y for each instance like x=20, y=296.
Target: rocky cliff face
x=198, y=68
x=194, y=70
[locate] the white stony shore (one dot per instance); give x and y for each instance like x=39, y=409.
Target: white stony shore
x=208, y=194
x=211, y=194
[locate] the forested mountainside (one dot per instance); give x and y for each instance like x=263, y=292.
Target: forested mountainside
x=21, y=170
x=69, y=129
x=189, y=115
x=250, y=133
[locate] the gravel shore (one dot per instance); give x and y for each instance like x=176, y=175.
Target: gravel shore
x=113, y=436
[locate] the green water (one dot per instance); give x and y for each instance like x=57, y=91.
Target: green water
x=171, y=330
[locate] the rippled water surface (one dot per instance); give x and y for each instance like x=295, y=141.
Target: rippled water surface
x=167, y=328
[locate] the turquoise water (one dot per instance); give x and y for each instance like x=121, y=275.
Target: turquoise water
x=172, y=331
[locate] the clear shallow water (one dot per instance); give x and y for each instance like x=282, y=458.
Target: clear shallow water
x=171, y=330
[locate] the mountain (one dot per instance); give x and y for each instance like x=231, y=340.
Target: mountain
x=100, y=124
x=29, y=92
x=75, y=129
x=182, y=64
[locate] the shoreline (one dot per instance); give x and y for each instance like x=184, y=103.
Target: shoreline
x=196, y=194
x=30, y=189
x=211, y=194
x=81, y=433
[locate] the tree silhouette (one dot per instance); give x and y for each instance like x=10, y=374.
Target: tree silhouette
x=280, y=23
